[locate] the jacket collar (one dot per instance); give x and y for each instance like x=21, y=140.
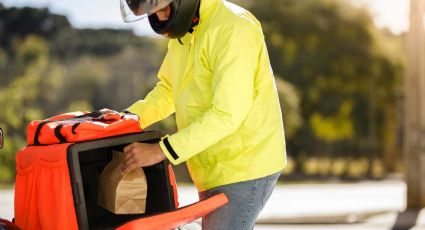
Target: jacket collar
x=206, y=8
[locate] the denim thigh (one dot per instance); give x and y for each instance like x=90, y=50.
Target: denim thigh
x=246, y=200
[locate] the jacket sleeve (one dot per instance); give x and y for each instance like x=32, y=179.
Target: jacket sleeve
x=158, y=104
x=233, y=59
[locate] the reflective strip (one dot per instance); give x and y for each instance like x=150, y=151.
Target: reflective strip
x=170, y=149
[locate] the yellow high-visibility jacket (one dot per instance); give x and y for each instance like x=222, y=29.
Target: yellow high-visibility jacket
x=221, y=87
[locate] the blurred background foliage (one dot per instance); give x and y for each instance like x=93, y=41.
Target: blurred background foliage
x=339, y=79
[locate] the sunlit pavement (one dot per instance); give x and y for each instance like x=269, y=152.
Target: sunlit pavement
x=365, y=205
x=362, y=206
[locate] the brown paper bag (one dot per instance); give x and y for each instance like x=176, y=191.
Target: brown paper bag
x=122, y=194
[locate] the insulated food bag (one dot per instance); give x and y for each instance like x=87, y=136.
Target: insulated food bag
x=58, y=179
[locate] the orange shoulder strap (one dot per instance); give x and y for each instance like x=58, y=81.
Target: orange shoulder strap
x=181, y=216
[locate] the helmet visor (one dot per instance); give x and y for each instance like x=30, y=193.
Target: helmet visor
x=133, y=10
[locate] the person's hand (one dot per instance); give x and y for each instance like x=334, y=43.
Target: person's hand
x=107, y=110
x=108, y=114
x=140, y=155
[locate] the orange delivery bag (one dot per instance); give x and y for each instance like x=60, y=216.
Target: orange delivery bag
x=58, y=177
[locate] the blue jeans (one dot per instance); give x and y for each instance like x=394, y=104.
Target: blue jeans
x=246, y=200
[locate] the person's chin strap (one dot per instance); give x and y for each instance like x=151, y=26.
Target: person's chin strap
x=195, y=21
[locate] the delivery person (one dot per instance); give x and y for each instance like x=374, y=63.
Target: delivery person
x=216, y=78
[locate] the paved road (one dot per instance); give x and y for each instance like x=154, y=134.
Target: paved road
x=6, y=204
x=360, y=206
x=365, y=206
x=292, y=202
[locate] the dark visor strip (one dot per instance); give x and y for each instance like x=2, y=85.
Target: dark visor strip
x=170, y=149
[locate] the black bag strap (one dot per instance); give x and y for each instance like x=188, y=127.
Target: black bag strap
x=58, y=134
x=37, y=131
x=95, y=115
x=74, y=126
x=61, y=138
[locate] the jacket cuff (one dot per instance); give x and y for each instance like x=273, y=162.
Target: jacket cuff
x=171, y=155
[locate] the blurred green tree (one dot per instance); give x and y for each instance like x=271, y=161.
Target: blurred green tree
x=20, y=97
x=338, y=77
x=341, y=65
x=47, y=68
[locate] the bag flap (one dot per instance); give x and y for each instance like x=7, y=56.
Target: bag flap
x=179, y=216
x=81, y=126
